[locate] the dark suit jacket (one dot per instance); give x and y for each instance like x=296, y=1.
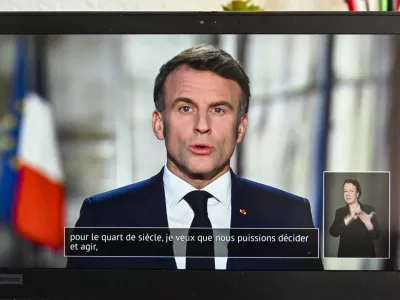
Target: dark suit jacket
x=143, y=205
x=355, y=239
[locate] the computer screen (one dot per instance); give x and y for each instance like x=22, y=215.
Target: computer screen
x=286, y=135
x=134, y=158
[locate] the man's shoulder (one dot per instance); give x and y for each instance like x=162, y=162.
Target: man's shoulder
x=130, y=191
x=125, y=206
x=259, y=190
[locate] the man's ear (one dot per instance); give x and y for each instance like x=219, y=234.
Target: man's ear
x=242, y=129
x=158, y=125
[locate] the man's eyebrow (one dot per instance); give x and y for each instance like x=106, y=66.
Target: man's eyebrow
x=190, y=101
x=185, y=100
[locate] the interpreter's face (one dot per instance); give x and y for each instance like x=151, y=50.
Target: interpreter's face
x=350, y=193
x=201, y=111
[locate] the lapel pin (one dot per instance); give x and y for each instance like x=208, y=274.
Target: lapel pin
x=243, y=211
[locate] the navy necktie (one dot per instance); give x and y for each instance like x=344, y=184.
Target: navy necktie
x=201, y=225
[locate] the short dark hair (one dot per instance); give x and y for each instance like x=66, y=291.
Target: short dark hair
x=356, y=184
x=205, y=58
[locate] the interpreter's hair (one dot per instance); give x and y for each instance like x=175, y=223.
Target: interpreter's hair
x=205, y=58
x=356, y=184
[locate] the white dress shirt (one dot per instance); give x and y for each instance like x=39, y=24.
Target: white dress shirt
x=180, y=214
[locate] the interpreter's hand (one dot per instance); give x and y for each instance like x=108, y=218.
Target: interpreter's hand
x=366, y=218
x=350, y=218
x=355, y=213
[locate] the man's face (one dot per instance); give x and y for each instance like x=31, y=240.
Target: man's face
x=200, y=116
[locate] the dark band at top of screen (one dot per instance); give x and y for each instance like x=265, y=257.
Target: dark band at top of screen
x=199, y=23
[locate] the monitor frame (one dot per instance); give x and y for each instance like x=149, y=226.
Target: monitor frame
x=66, y=283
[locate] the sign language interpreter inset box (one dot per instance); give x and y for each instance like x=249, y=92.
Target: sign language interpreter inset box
x=356, y=215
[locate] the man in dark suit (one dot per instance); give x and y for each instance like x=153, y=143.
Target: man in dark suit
x=202, y=100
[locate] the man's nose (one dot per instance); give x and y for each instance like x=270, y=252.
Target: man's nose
x=202, y=123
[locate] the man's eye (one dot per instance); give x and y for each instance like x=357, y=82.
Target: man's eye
x=218, y=110
x=185, y=108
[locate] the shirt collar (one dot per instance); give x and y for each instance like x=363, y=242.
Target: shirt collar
x=176, y=188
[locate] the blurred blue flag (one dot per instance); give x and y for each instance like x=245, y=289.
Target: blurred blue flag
x=9, y=133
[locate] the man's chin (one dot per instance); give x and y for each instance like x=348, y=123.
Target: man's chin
x=201, y=173
x=200, y=169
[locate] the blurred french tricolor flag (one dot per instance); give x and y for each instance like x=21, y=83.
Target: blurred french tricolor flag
x=31, y=178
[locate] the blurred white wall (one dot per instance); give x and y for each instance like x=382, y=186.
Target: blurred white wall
x=278, y=144
x=84, y=86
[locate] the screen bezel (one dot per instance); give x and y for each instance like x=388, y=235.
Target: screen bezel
x=63, y=283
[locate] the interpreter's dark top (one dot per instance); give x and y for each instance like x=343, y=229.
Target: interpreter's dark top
x=355, y=239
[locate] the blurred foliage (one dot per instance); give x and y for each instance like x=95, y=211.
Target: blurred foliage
x=241, y=5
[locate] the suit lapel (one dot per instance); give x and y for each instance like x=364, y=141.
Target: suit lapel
x=240, y=208
x=157, y=201
x=159, y=217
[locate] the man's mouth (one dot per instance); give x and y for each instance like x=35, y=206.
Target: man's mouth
x=201, y=149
